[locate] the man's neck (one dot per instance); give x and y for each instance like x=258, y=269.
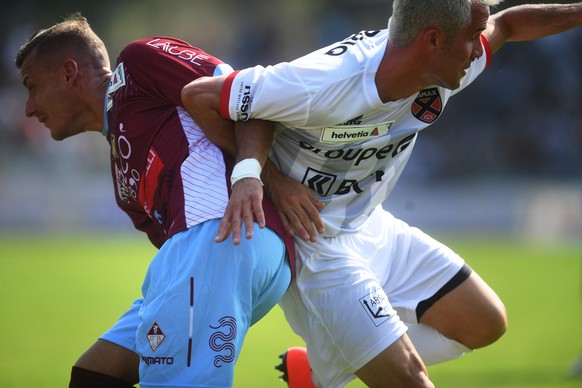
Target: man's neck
x=401, y=73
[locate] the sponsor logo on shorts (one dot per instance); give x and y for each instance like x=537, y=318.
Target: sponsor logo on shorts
x=157, y=360
x=155, y=336
x=428, y=105
x=377, y=306
x=221, y=340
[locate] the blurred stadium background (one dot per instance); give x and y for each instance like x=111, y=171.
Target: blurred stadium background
x=505, y=159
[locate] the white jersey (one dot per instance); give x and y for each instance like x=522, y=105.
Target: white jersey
x=333, y=132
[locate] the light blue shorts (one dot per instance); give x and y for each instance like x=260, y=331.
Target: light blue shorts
x=199, y=300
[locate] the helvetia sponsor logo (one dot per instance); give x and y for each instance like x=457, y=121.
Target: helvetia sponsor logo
x=353, y=133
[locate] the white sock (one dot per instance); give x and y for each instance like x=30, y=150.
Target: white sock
x=432, y=346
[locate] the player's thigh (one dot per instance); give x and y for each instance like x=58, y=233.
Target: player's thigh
x=113, y=354
x=200, y=298
x=112, y=360
x=338, y=306
x=471, y=313
x=123, y=331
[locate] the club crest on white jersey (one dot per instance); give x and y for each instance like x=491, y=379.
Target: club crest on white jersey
x=428, y=105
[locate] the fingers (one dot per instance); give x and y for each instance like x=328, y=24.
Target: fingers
x=286, y=225
x=234, y=226
x=244, y=206
x=253, y=210
x=300, y=216
x=228, y=225
x=301, y=223
x=315, y=216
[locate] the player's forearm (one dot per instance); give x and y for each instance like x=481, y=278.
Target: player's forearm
x=529, y=22
x=201, y=99
x=253, y=139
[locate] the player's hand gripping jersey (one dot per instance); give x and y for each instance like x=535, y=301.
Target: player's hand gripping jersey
x=167, y=175
x=334, y=134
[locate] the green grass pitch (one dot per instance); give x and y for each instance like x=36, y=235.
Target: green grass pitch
x=59, y=293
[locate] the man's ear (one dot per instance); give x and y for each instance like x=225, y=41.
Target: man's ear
x=69, y=71
x=433, y=38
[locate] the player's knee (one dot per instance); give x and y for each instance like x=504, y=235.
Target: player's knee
x=500, y=323
x=493, y=326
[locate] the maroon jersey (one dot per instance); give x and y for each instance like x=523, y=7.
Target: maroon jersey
x=167, y=175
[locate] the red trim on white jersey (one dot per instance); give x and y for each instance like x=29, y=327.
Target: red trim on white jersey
x=225, y=95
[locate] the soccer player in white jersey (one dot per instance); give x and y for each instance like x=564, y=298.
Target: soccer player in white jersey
x=372, y=297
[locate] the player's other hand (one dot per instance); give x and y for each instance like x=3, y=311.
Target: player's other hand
x=297, y=206
x=244, y=207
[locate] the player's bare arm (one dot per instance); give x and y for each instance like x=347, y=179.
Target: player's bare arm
x=201, y=100
x=296, y=204
x=254, y=140
x=529, y=22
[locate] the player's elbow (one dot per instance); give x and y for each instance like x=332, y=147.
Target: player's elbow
x=201, y=97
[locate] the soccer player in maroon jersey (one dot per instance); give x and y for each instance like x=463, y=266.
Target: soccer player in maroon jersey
x=199, y=297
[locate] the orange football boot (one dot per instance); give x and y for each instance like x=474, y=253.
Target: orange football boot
x=295, y=367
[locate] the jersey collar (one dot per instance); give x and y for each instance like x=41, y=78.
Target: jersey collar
x=105, y=130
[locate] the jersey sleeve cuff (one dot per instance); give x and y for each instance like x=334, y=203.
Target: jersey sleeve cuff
x=225, y=95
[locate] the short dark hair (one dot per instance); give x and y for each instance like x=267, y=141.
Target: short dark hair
x=72, y=35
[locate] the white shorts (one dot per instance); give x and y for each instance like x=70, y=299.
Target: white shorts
x=353, y=292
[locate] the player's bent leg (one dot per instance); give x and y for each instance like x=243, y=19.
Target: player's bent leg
x=271, y=276
x=399, y=365
x=111, y=362
x=432, y=346
x=85, y=378
x=200, y=299
x=105, y=364
x=471, y=314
